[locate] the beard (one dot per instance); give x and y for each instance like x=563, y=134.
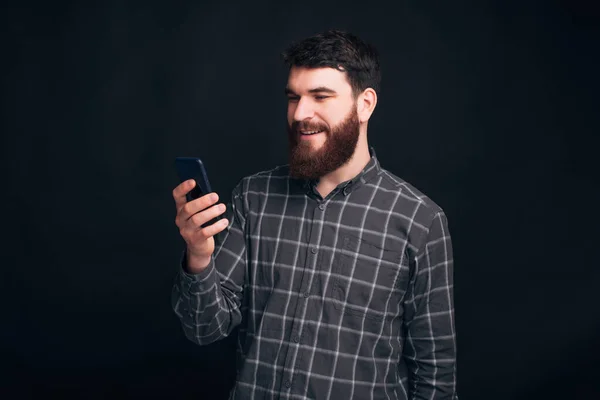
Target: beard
x=339, y=146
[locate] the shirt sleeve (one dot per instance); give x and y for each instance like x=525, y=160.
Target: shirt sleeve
x=430, y=346
x=208, y=304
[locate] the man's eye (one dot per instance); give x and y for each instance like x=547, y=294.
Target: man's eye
x=292, y=99
x=321, y=97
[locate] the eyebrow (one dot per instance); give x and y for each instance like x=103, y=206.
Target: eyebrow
x=320, y=89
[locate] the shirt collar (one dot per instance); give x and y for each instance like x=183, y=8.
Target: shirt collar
x=371, y=170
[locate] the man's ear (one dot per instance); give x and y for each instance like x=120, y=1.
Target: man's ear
x=365, y=104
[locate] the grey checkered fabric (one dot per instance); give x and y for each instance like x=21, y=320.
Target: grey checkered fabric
x=344, y=297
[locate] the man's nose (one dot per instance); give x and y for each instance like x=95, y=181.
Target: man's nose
x=304, y=110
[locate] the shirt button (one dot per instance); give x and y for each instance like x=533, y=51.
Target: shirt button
x=288, y=384
x=306, y=294
x=313, y=250
x=296, y=339
x=321, y=207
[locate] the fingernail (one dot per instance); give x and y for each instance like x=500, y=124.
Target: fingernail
x=214, y=197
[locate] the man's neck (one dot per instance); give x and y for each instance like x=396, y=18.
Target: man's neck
x=353, y=167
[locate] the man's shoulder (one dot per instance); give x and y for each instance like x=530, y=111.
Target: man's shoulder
x=265, y=180
x=408, y=194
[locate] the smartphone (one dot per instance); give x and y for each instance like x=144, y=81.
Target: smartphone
x=193, y=168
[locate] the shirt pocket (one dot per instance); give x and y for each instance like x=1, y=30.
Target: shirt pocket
x=365, y=278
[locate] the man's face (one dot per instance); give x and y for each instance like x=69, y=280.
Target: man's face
x=323, y=125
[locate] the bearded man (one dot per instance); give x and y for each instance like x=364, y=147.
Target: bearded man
x=338, y=273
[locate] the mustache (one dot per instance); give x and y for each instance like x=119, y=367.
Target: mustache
x=306, y=126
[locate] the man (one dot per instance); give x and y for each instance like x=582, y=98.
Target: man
x=337, y=272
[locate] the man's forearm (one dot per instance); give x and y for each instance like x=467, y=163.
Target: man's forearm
x=207, y=314
x=207, y=293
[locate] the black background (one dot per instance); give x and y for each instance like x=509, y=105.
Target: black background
x=489, y=107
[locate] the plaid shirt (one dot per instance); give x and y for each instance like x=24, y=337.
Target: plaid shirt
x=344, y=297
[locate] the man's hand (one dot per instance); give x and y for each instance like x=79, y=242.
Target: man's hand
x=190, y=217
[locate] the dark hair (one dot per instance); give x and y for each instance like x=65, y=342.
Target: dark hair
x=342, y=51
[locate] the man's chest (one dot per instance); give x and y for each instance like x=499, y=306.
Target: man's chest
x=344, y=258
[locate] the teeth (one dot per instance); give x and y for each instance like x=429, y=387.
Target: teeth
x=309, y=132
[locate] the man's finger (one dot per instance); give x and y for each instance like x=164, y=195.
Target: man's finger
x=195, y=206
x=215, y=228
x=199, y=219
x=180, y=191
